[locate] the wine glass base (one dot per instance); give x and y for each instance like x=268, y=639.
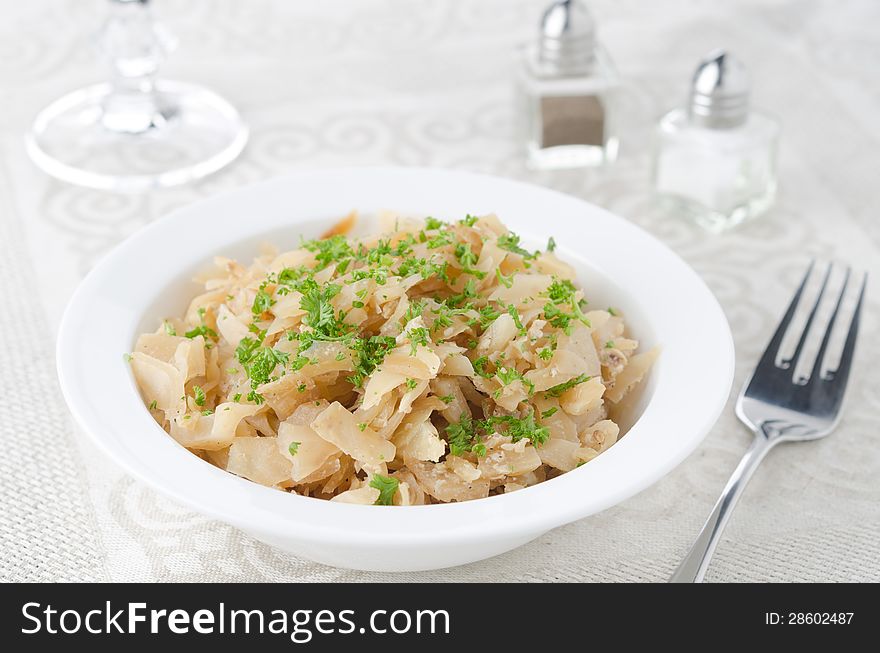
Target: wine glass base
x=199, y=134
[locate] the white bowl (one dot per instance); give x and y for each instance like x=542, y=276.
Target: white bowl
x=147, y=278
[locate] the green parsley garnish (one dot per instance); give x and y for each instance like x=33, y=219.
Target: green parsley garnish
x=316, y=302
x=447, y=399
x=433, y=223
x=201, y=330
x=480, y=367
x=411, y=384
x=414, y=310
x=199, y=395
x=557, y=390
x=509, y=375
x=169, y=328
x=417, y=337
x=511, y=310
x=507, y=282
x=562, y=293
x=551, y=244
x=293, y=449
x=370, y=352
x=463, y=437
x=525, y=428
x=469, y=220
x=467, y=435
x=387, y=486
x=550, y=412
x=262, y=302
x=467, y=259
x=511, y=242
x=153, y=405
x=330, y=250
x=441, y=239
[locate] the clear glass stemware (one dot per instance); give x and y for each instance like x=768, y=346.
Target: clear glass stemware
x=135, y=132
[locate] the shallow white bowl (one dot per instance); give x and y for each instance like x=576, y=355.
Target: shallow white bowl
x=147, y=278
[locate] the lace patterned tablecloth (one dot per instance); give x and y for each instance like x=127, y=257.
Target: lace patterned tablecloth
x=429, y=83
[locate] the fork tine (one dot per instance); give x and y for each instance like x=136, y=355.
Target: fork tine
x=815, y=375
x=768, y=359
x=787, y=363
x=842, y=372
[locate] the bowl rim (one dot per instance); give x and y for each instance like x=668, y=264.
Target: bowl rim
x=167, y=467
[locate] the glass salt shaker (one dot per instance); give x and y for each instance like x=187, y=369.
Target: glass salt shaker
x=568, y=82
x=714, y=160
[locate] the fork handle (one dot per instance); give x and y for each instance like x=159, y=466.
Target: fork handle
x=693, y=568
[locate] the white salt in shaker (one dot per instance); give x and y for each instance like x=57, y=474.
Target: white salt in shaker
x=715, y=160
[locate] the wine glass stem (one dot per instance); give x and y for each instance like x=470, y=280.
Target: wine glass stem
x=134, y=44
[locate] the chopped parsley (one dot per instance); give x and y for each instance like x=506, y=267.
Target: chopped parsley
x=511, y=310
x=467, y=435
x=433, y=223
x=480, y=367
x=411, y=384
x=550, y=412
x=469, y=220
x=467, y=259
x=507, y=282
x=246, y=348
x=463, y=437
x=153, y=405
x=293, y=449
x=509, y=375
x=201, y=330
x=446, y=399
x=387, y=486
x=169, y=328
x=414, y=310
x=511, y=243
x=330, y=250
x=369, y=353
x=199, y=395
x=563, y=293
x=418, y=336
x=557, y=390
x=316, y=303
x=551, y=245
x=441, y=239
x=262, y=302
x=524, y=428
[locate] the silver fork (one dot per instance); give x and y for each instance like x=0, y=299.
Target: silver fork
x=779, y=408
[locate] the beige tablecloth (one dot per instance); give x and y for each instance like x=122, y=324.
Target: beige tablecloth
x=429, y=83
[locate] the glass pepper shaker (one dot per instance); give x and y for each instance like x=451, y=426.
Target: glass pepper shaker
x=714, y=160
x=568, y=81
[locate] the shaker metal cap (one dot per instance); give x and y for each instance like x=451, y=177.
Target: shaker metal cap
x=567, y=37
x=719, y=96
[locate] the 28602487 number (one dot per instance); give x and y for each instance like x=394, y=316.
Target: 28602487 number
x=808, y=618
